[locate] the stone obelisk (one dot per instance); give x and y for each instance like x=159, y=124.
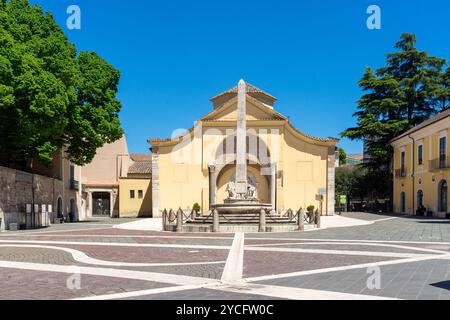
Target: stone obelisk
x=241, y=141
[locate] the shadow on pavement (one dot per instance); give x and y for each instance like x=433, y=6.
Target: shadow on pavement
x=442, y=285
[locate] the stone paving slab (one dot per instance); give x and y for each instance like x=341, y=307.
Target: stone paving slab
x=36, y=255
x=148, y=255
x=400, y=229
x=37, y=285
x=126, y=239
x=415, y=280
x=202, y=294
x=211, y=271
x=368, y=216
x=258, y=263
x=121, y=253
x=346, y=247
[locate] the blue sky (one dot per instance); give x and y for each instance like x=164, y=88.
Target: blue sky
x=175, y=55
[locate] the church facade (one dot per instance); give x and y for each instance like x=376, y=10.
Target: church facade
x=286, y=168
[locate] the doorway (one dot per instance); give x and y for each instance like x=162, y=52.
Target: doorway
x=443, y=196
x=402, y=202
x=59, y=208
x=101, y=204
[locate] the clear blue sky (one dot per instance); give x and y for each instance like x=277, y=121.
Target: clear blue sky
x=175, y=55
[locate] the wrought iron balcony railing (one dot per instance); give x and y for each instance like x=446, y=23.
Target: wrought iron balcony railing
x=400, y=173
x=440, y=163
x=74, y=185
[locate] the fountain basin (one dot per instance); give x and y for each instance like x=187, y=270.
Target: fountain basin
x=242, y=206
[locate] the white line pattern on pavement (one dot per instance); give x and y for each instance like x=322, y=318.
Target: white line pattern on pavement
x=351, y=244
x=295, y=293
x=343, y=268
x=339, y=252
x=140, y=293
x=84, y=258
x=234, y=266
x=109, y=272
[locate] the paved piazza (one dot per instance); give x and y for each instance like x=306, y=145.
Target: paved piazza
x=386, y=257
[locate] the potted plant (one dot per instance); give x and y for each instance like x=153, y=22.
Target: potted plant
x=310, y=210
x=196, y=207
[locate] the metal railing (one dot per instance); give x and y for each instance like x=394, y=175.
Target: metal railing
x=440, y=163
x=74, y=185
x=400, y=173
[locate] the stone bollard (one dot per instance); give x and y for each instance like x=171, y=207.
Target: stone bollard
x=180, y=220
x=301, y=220
x=170, y=216
x=262, y=220
x=215, y=221
x=290, y=214
x=164, y=220
x=317, y=213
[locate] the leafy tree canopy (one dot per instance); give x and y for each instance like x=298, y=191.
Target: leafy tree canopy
x=50, y=96
x=342, y=157
x=411, y=88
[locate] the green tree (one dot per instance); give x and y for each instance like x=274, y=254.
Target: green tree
x=50, y=96
x=342, y=157
x=408, y=90
x=351, y=181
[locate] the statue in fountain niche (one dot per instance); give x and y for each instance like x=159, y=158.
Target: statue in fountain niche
x=251, y=189
x=231, y=189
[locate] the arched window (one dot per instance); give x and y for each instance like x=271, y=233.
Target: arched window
x=402, y=202
x=443, y=196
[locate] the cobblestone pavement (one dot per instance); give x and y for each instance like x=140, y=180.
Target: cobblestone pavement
x=390, y=258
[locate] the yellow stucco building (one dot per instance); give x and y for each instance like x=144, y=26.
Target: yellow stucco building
x=288, y=168
x=422, y=167
x=135, y=198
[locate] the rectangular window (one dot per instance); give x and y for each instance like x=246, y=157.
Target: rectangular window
x=402, y=164
x=420, y=155
x=140, y=194
x=442, y=152
x=72, y=172
x=132, y=194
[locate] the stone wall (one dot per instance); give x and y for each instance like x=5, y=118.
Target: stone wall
x=18, y=188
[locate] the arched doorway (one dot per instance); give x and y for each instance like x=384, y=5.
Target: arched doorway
x=419, y=198
x=402, y=202
x=420, y=208
x=443, y=196
x=59, y=208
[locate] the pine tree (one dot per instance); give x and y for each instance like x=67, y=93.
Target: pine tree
x=411, y=88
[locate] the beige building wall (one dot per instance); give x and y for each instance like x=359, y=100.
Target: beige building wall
x=106, y=167
x=303, y=162
x=135, y=207
x=101, y=176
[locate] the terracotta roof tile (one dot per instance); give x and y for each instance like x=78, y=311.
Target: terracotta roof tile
x=139, y=157
x=250, y=89
x=143, y=167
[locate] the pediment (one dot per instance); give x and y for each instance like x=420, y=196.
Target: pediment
x=255, y=111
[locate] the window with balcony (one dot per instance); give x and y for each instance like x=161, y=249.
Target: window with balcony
x=402, y=171
x=73, y=184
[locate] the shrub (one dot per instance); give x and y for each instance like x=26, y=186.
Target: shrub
x=196, y=207
x=310, y=208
